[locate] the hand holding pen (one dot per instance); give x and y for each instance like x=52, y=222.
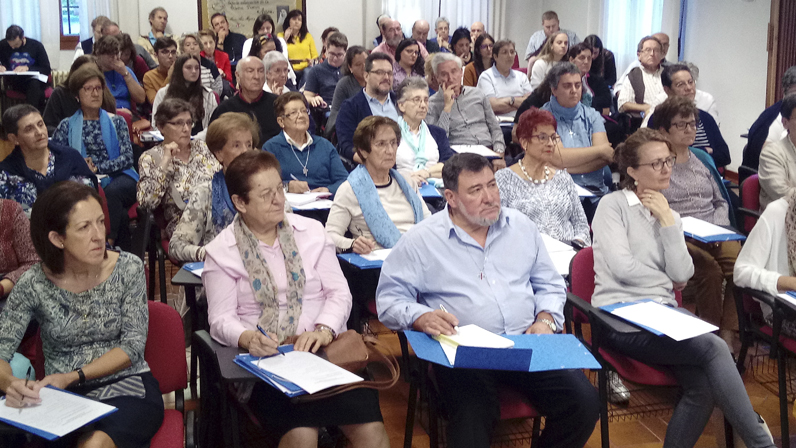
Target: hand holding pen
x=263, y=344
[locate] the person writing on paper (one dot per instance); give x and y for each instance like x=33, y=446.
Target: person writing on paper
x=540, y=189
x=640, y=252
x=309, y=162
x=91, y=306
x=292, y=287
x=376, y=204
x=447, y=261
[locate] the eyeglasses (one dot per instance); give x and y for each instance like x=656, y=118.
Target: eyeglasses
x=544, y=138
x=296, y=114
x=418, y=100
x=168, y=52
x=335, y=55
x=487, y=46
x=651, y=50
x=181, y=123
x=658, y=164
x=92, y=89
x=381, y=73
x=685, y=124
x=385, y=144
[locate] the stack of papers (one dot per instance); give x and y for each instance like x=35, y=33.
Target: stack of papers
x=560, y=253
x=299, y=199
x=662, y=319
x=708, y=233
x=39, y=76
x=471, y=336
x=476, y=149
x=378, y=254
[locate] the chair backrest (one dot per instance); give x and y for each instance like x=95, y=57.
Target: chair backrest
x=140, y=239
x=165, y=347
x=750, y=199
x=105, y=210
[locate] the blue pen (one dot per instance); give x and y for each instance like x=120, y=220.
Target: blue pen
x=293, y=176
x=269, y=337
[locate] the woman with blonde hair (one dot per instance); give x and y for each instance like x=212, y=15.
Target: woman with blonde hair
x=554, y=50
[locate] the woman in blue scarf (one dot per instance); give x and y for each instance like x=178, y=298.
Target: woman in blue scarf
x=103, y=140
x=210, y=208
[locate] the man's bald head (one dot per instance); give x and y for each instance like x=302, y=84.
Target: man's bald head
x=663, y=38
x=476, y=29
x=420, y=31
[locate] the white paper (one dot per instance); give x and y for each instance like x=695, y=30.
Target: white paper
x=553, y=245
x=322, y=204
x=787, y=298
x=379, y=254
x=476, y=149
x=583, y=193
x=308, y=371
x=678, y=326
x=197, y=272
x=298, y=199
x=449, y=350
x=471, y=336
x=59, y=412
x=560, y=253
x=702, y=228
x=152, y=136
x=39, y=76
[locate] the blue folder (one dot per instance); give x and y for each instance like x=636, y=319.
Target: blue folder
x=245, y=361
x=428, y=191
x=44, y=434
x=609, y=308
x=191, y=267
x=550, y=352
x=360, y=262
x=729, y=236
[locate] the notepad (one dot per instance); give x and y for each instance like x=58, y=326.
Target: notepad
x=678, y=326
x=560, y=253
x=378, y=254
x=476, y=149
x=471, y=336
x=708, y=233
x=59, y=413
x=299, y=199
x=320, y=204
x=34, y=74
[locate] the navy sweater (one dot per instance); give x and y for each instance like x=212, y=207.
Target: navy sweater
x=324, y=168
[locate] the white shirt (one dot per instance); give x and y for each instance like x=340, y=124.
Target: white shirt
x=295, y=145
x=405, y=157
x=495, y=85
x=247, y=46
x=706, y=102
x=653, y=89
x=266, y=88
x=776, y=131
x=539, y=71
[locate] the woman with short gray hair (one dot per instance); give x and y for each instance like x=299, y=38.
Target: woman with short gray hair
x=424, y=148
x=276, y=72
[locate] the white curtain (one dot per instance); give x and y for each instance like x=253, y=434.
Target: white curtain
x=408, y=11
x=24, y=13
x=465, y=12
x=625, y=23
x=89, y=9
x=458, y=12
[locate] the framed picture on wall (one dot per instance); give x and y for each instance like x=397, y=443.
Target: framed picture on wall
x=241, y=14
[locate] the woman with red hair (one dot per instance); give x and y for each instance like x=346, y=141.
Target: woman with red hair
x=540, y=189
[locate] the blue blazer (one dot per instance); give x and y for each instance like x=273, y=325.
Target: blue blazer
x=443, y=145
x=758, y=134
x=352, y=111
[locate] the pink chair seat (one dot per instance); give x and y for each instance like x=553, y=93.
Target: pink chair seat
x=637, y=371
x=171, y=433
x=514, y=405
x=15, y=95
x=788, y=343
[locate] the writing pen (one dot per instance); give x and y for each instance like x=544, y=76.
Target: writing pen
x=442, y=307
x=27, y=378
x=293, y=176
x=269, y=337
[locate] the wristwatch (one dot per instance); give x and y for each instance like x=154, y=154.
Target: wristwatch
x=512, y=101
x=322, y=327
x=549, y=323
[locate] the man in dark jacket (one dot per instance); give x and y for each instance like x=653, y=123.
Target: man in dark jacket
x=22, y=54
x=759, y=132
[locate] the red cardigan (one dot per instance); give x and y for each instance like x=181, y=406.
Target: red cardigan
x=17, y=254
x=222, y=62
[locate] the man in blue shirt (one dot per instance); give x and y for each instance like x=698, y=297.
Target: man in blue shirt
x=322, y=79
x=120, y=79
x=486, y=266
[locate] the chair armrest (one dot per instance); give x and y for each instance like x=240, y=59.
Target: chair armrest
x=749, y=212
x=190, y=427
x=762, y=296
x=578, y=303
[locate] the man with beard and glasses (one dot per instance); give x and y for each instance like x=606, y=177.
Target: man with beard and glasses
x=464, y=259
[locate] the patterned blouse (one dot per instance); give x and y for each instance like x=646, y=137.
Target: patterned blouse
x=693, y=192
x=399, y=74
x=171, y=188
x=195, y=228
x=76, y=329
x=19, y=190
x=553, y=206
x=95, y=147
x=17, y=254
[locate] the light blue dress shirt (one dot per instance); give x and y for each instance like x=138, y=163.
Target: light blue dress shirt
x=501, y=287
x=382, y=110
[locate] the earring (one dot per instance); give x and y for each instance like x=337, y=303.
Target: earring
x=635, y=182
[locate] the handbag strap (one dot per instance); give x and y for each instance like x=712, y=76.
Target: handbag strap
x=378, y=353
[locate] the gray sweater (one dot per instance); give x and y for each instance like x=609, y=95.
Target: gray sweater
x=634, y=257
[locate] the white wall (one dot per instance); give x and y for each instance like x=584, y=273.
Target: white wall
x=732, y=61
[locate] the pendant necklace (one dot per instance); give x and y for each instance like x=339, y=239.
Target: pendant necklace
x=303, y=165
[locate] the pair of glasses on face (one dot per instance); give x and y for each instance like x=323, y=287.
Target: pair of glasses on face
x=91, y=89
x=682, y=125
x=544, y=138
x=296, y=114
x=181, y=123
x=658, y=164
x=381, y=73
x=385, y=144
x=487, y=46
x=418, y=100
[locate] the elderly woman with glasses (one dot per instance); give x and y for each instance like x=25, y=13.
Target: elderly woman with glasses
x=540, y=189
x=309, y=162
x=171, y=171
x=276, y=73
x=424, y=148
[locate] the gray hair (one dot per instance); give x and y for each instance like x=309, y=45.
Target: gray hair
x=441, y=19
x=788, y=79
x=409, y=84
x=242, y=62
x=441, y=58
x=561, y=69
x=271, y=58
x=693, y=69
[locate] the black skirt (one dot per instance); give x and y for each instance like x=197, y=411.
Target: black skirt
x=278, y=414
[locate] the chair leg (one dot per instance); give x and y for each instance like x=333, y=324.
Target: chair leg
x=745, y=341
x=537, y=429
x=162, y=275
x=152, y=262
x=729, y=437
x=602, y=380
x=783, y=397
x=410, y=414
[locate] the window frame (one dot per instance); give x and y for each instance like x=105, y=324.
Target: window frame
x=68, y=42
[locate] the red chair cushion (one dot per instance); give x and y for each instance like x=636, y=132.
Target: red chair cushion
x=15, y=95
x=637, y=371
x=165, y=348
x=788, y=343
x=132, y=212
x=48, y=92
x=171, y=433
x=105, y=210
x=514, y=405
x=750, y=199
x=581, y=272
x=372, y=307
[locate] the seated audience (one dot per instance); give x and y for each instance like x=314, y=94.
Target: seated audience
x=158, y=19
x=310, y=304
x=211, y=76
x=408, y=62
x=229, y=42
x=103, y=140
x=112, y=29
x=276, y=73
x=461, y=44
x=91, y=307
x=266, y=43
x=376, y=98
x=554, y=51
x=264, y=24
x=482, y=60
x=309, y=162
x=640, y=252
x=17, y=254
x=476, y=30
x=19, y=53
x=544, y=192
x=376, y=204
x=596, y=93
x=643, y=89
x=696, y=189
x=459, y=242
x=704, y=100
x=420, y=31
x=433, y=84
x=505, y=88
x=251, y=99
x=352, y=82
x=157, y=78
x=324, y=36
x=603, y=61
x=538, y=98
x=424, y=148
x=768, y=126
x=778, y=159
x=550, y=26
x=130, y=58
x=663, y=38
x=36, y=163
x=443, y=39
x=63, y=103
x=465, y=113
x=321, y=82
x=300, y=43
x=171, y=171
x=393, y=35
x=120, y=79
x=186, y=85
x=211, y=52
x=678, y=82
x=86, y=47
x=210, y=209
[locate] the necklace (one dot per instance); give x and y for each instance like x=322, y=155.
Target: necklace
x=303, y=165
x=536, y=181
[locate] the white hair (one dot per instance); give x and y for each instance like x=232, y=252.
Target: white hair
x=272, y=57
x=441, y=58
x=242, y=62
x=441, y=19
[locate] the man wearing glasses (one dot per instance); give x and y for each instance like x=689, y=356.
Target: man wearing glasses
x=376, y=98
x=643, y=89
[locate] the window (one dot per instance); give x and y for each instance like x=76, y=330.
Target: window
x=70, y=24
x=626, y=22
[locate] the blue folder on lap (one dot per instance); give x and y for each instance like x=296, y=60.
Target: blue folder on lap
x=428, y=191
x=610, y=308
x=360, y=262
x=245, y=360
